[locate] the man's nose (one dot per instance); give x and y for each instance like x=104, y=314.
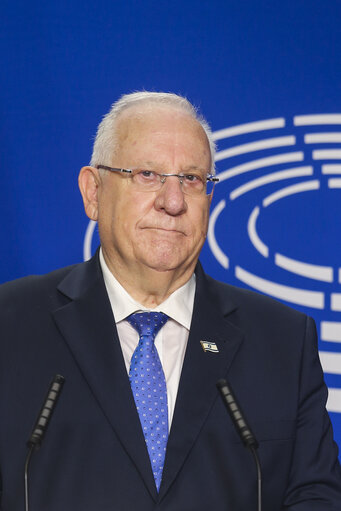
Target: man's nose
x=170, y=197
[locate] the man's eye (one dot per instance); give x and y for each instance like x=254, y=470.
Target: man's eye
x=147, y=174
x=193, y=178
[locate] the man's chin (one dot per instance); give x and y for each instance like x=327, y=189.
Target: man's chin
x=164, y=262
x=165, y=255
x=162, y=266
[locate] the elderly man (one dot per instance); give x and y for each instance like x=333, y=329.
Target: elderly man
x=142, y=335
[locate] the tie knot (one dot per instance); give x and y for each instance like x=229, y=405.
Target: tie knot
x=147, y=323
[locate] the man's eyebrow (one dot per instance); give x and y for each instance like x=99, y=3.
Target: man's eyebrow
x=146, y=164
x=159, y=166
x=195, y=167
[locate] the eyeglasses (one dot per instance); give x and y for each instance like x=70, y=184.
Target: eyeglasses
x=151, y=181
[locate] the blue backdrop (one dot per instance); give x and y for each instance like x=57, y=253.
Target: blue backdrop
x=265, y=74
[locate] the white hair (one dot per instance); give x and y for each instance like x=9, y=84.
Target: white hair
x=106, y=136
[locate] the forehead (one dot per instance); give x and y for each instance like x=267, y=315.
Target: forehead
x=162, y=132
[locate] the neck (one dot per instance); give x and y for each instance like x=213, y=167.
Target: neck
x=146, y=285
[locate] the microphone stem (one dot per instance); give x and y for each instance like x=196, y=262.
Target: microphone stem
x=27, y=462
x=41, y=424
x=259, y=477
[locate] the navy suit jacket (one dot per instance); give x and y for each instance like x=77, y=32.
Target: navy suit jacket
x=94, y=457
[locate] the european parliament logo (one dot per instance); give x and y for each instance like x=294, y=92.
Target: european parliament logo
x=275, y=222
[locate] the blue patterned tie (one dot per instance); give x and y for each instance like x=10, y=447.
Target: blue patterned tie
x=148, y=384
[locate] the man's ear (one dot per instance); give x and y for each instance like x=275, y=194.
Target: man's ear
x=210, y=197
x=89, y=182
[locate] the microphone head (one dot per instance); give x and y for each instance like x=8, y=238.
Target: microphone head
x=243, y=430
x=46, y=411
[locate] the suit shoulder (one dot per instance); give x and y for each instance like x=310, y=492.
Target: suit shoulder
x=253, y=301
x=28, y=287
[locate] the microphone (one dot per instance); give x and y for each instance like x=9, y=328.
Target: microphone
x=46, y=411
x=243, y=429
x=42, y=423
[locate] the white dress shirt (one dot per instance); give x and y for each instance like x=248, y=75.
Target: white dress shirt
x=171, y=340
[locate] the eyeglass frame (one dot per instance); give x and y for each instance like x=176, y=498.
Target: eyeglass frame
x=209, y=177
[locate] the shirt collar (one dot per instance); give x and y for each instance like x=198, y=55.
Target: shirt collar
x=178, y=306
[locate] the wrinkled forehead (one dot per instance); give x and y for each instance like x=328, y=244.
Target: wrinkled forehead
x=146, y=121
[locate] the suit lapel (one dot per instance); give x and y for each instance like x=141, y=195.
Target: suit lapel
x=88, y=326
x=201, y=370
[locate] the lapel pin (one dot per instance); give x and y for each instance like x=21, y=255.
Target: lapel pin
x=209, y=346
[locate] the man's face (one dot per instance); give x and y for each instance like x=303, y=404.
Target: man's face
x=162, y=230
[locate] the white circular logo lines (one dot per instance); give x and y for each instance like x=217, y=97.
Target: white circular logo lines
x=276, y=222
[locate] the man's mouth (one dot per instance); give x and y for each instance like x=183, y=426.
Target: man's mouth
x=165, y=230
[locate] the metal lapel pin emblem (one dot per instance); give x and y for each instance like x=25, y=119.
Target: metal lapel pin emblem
x=209, y=346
